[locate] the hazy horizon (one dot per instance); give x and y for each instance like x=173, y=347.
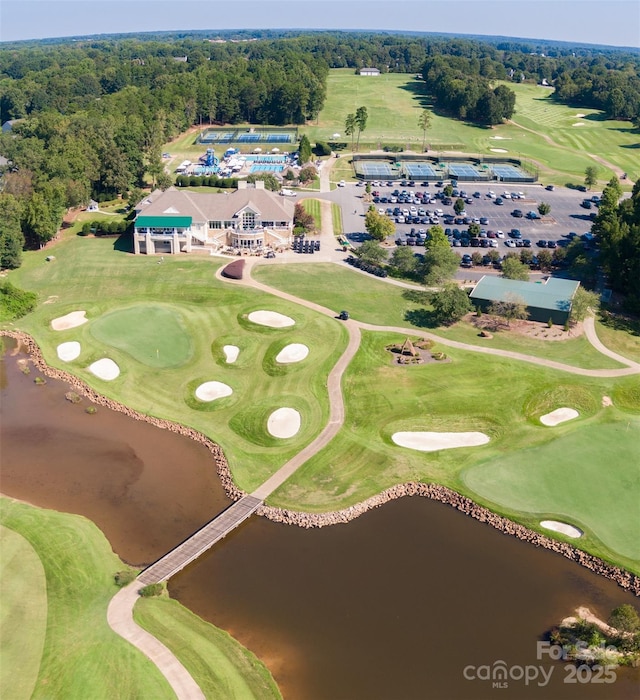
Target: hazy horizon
x=573, y=21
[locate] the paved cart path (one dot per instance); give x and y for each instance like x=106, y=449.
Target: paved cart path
x=120, y=612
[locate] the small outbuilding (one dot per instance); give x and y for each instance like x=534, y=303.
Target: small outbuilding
x=547, y=299
x=369, y=71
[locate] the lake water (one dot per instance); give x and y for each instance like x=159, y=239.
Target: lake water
x=392, y=606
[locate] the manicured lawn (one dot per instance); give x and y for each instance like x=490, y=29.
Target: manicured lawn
x=588, y=477
x=118, y=290
x=336, y=218
x=338, y=287
x=223, y=667
x=151, y=334
x=56, y=629
x=373, y=301
x=80, y=651
x=312, y=206
x=622, y=336
x=23, y=615
x=502, y=398
x=394, y=102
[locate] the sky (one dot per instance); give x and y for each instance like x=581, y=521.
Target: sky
x=606, y=22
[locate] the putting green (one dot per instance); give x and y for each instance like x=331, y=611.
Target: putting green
x=588, y=477
x=23, y=615
x=151, y=334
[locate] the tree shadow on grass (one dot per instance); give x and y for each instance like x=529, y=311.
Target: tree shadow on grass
x=421, y=318
x=620, y=322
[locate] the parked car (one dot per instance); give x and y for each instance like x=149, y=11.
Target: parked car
x=499, y=201
x=533, y=215
x=517, y=213
x=515, y=233
x=550, y=188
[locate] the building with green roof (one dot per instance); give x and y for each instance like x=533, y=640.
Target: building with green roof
x=550, y=298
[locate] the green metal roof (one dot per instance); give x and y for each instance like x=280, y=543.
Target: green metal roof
x=163, y=222
x=554, y=294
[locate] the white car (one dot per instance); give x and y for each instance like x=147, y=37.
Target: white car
x=342, y=183
x=500, y=234
x=493, y=242
x=510, y=243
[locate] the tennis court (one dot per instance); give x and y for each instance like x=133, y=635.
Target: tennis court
x=373, y=169
x=419, y=170
x=248, y=136
x=509, y=172
x=463, y=171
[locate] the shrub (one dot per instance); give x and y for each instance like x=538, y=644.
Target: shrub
x=73, y=397
x=86, y=229
x=550, y=323
x=322, y=149
x=15, y=302
x=125, y=577
x=153, y=589
x=91, y=410
x=40, y=381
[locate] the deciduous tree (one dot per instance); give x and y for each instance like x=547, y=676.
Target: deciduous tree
x=450, y=304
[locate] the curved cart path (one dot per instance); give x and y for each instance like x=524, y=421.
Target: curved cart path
x=631, y=366
x=120, y=611
x=120, y=619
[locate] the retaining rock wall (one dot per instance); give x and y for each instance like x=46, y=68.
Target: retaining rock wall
x=436, y=492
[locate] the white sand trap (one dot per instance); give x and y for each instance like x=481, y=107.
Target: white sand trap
x=75, y=318
x=105, y=369
x=500, y=138
x=271, y=318
x=284, y=423
x=231, y=353
x=431, y=442
x=210, y=391
x=499, y=150
x=581, y=116
x=578, y=124
x=568, y=530
x=560, y=415
x=68, y=351
x=296, y=352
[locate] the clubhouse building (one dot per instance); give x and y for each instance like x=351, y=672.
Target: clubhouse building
x=247, y=220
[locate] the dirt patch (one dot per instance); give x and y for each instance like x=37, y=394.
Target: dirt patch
x=527, y=329
x=606, y=401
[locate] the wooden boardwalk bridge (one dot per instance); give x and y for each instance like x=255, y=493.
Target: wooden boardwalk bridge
x=200, y=541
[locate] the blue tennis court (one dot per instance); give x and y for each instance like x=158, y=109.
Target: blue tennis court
x=462, y=170
x=279, y=138
x=419, y=170
x=248, y=137
x=378, y=168
x=509, y=172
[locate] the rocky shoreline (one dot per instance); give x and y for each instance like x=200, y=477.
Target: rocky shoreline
x=436, y=492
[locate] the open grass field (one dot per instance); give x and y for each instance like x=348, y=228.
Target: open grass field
x=542, y=130
x=224, y=669
x=23, y=615
x=80, y=656
x=336, y=218
x=373, y=301
x=502, y=398
x=56, y=642
x=176, y=316
x=567, y=479
x=312, y=206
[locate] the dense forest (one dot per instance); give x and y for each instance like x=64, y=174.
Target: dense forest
x=90, y=115
x=617, y=227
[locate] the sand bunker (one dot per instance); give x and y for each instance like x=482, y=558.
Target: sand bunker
x=578, y=124
x=68, y=351
x=210, y=391
x=499, y=150
x=231, y=353
x=606, y=401
x=296, y=352
x=500, y=138
x=284, y=423
x=560, y=415
x=568, y=530
x=75, y=318
x=105, y=369
x=271, y=318
x=581, y=116
x=431, y=442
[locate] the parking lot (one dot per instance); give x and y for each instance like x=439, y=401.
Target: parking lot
x=415, y=207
